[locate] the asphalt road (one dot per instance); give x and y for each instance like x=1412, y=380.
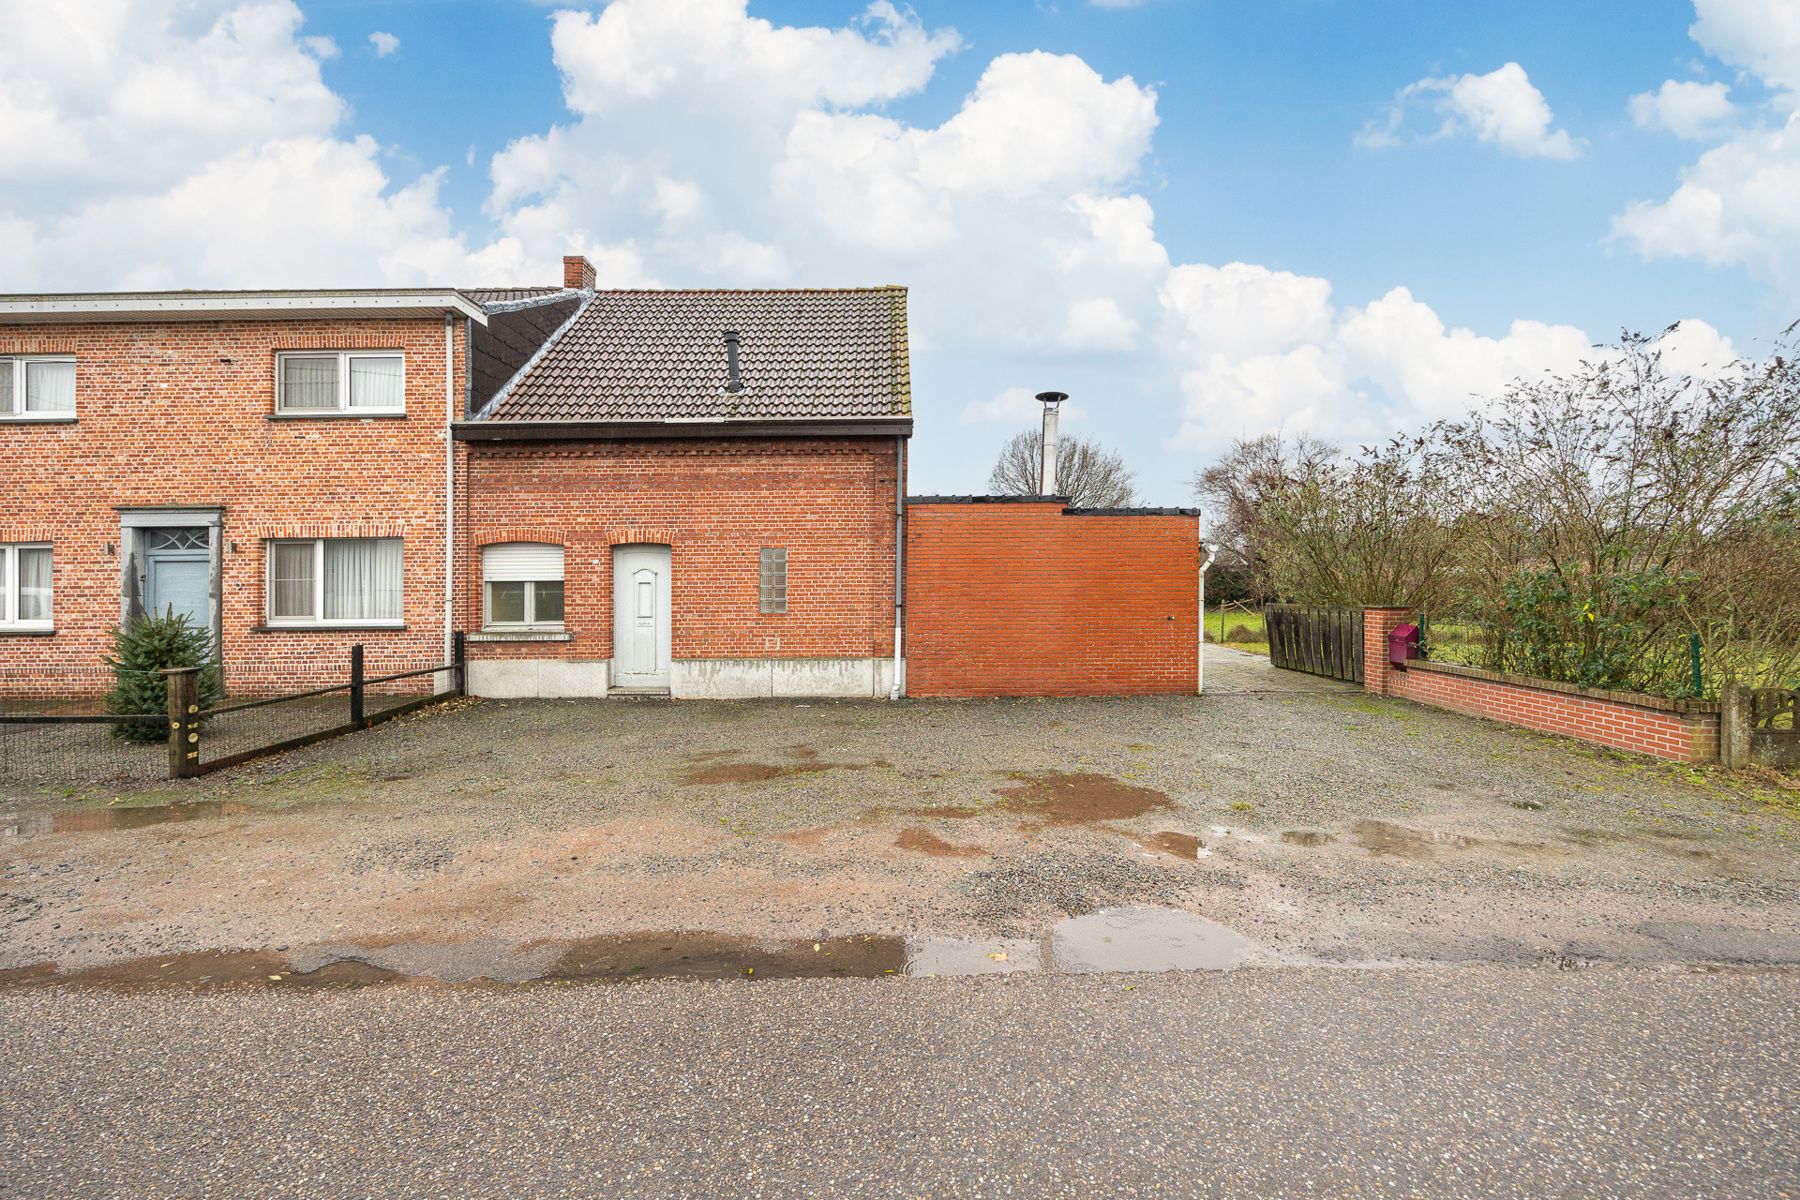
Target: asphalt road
x=1469, y=1081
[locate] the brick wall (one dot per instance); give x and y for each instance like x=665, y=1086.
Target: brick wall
x=179, y=414
x=716, y=503
x=1024, y=599
x=1678, y=730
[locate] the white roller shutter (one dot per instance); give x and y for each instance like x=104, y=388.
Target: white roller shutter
x=529, y=562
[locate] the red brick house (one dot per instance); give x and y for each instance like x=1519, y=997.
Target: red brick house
x=695, y=492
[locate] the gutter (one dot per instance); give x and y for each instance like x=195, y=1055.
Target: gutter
x=1200, y=659
x=899, y=686
x=450, y=407
x=620, y=431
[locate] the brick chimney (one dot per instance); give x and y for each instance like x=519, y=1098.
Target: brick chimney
x=578, y=272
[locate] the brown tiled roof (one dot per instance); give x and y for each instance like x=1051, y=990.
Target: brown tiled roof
x=657, y=355
x=504, y=295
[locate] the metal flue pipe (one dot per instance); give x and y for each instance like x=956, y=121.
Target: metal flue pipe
x=1052, y=402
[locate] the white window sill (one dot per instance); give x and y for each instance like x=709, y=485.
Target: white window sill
x=28, y=419
x=338, y=414
x=27, y=630
x=501, y=633
x=324, y=626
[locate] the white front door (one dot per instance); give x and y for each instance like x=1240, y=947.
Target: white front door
x=641, y=626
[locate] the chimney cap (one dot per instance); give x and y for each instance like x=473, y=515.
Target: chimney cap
x=1052, y=397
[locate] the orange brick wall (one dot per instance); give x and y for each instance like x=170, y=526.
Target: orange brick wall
x=178, y=414
x=1662, y=733
x=829, y=502
x=1021, y=599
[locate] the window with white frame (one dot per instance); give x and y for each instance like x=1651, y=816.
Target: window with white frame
x=334, y=581
x=37, y=387
x=25, y=586
x=326, y=383
x=523, y=586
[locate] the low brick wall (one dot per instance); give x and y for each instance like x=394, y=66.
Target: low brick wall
x=1677, y=730
x=1025, y=597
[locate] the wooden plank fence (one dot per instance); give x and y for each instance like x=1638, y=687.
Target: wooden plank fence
x=1316, y=639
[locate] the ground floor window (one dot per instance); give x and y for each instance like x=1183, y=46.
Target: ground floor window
x=24, y=586
x=335, y=581
x=772, y=580
x=523, y=584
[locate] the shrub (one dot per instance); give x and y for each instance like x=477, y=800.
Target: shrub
x=1241, y=633
x=142, y=649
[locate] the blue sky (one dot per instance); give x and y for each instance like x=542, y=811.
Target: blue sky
x=1064, y=187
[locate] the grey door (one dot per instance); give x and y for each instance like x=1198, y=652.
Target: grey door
x=178, y=574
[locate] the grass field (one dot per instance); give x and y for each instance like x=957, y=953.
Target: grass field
x=1242, y=628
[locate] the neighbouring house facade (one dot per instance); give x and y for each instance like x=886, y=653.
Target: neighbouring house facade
x=684, y=491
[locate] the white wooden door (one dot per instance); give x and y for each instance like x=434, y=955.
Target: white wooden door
x=641, y=625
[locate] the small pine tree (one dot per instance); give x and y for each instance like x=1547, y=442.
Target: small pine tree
x=142, y=649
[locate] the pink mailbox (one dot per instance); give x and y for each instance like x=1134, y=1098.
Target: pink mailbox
x=1403, y=644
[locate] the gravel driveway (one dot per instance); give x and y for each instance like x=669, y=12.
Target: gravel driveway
x=1314, y=823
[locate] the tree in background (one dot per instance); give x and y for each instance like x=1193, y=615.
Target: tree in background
x=1236, y=492
x=1090, y=475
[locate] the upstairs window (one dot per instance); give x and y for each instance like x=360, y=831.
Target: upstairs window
x=24, y=586
x=37, y=387
x=329, y=383
x=772, y=580
x=524, y=586
x=334, y=581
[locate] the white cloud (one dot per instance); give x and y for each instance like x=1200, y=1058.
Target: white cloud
x=184, y=143
x=1501, y=108
x=1762, y=36
x=386, y=44
x=1684, y=108
x=1015, y=406
x=1734, y=205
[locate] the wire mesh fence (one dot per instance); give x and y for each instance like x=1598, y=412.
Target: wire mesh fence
x=61, y=739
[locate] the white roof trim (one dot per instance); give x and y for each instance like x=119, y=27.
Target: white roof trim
x=120, y=304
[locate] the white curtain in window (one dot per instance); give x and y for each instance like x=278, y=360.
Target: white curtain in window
x=34, y=583
x=6, y=386
x=376, y=383
x=362, y=579
x=50, y=387
x=291, y=581
x=309, y=382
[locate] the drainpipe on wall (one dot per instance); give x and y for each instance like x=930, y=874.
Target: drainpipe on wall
x=1200, y=661
x=899, y=688
x=449, y=489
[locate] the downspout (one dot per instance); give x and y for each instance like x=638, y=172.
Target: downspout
x=1200, y=660
x=899, y=688
x=449, y=487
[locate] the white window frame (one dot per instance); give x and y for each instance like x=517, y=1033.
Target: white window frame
x=530, y=623
x=318, y=620
x=15, y=364
x=11, y=584
x=343, y=409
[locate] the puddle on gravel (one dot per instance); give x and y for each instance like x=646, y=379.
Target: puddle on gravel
x=923, y=841
x=1110, y=939
x=100, y=820
x=719, y=767
x=1181, y=845
x=1079, y=799
x=1386, y=839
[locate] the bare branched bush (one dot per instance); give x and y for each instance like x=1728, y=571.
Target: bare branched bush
x=1089, y=474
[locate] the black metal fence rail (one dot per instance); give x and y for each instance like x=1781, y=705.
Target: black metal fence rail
x=67, y=743
x=1316, y=639
x=229, y=735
